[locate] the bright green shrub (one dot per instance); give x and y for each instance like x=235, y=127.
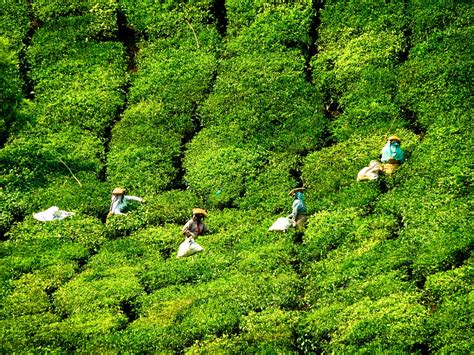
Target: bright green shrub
x=269, y=190
x=34, y=159
x=174, y=317
x=315, y=328
x=178, y=78
x=361, y=78
x=270, y=331
x=435, y=81
x=82, y=331
x=222, y=168
x=25, y=333
x=268, y=99
x=392, y=323
x=124, y=225
x=155, y=170
x=21, y=257
x=90, y=198
x=276, y=29
x=86, y=231
x=173, y=206
x=102, y=13
x=171, y=18
x=240, y=15
x=101, y=287
x=67, y=38
x=159, y=243
x=341, y=20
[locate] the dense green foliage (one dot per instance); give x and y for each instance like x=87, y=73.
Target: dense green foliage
x=227, y=105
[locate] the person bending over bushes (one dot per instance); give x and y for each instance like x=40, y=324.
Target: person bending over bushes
x=195, y=226
x=392, y=156
x=298, y=216
x=120, y=200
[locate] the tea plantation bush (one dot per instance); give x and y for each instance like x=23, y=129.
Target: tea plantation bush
x=101, y=13
x=11, y=94
x=228, y=105
x=14, y=22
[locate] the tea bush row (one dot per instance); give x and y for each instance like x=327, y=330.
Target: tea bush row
x=261, y=112
x=359, y=48
x=169, y=84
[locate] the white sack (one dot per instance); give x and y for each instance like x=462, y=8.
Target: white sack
x=51, y=214
x=282, y=224
x=370, y=172
x=188, y=248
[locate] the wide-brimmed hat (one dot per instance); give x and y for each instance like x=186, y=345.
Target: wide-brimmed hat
x=395, y=139
x=119, y=191
x=200, y=211
x=298, y=189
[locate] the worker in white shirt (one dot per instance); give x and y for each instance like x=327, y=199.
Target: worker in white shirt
x=120, y=199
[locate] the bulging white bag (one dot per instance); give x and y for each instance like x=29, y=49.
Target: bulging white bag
x=282, y=224
x=51, y=214
x=188, y=247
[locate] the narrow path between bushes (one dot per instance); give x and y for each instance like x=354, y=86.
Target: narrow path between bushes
x=25, y=68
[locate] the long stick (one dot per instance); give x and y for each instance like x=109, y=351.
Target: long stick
x=194, y=33
x=74, y=176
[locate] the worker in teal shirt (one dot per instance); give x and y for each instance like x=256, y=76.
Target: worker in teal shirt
x=392, y=154
x=298, y=214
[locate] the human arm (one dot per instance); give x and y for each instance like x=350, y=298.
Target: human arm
x=133, y=198
x=187, y=229
x=294, y=211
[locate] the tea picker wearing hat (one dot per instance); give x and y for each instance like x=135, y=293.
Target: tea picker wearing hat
x=392, y=155
x=298, y=214
x=120, y=199
x=195, y=226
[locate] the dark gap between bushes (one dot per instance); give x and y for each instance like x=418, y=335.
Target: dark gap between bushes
x=220, y=13
x=25, y=68
x=312, y=49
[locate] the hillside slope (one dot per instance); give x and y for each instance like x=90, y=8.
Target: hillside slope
x=228, y=105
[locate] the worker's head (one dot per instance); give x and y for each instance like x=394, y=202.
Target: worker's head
x=394, y=139
x=199, y=213
x=296, y=192
x=118, y=191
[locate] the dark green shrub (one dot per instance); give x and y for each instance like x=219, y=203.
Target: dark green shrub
x=10, y=95
x=14, y=22
x=12, y=209
x=426, y=20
